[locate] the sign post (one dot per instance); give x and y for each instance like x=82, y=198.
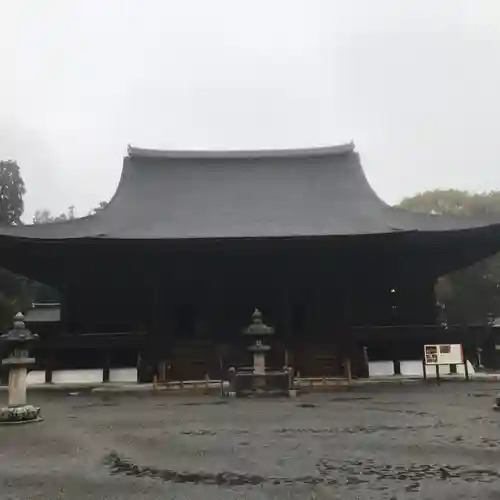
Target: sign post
x=444, y=354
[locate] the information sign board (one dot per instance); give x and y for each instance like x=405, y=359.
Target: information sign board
x=443, y=354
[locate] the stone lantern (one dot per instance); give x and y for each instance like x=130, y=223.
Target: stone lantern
x=261, y=380
x=18, y=343
x=258, y=331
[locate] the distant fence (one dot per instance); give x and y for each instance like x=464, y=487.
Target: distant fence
x=413, y=368
x=83, y=376
x=377, y=369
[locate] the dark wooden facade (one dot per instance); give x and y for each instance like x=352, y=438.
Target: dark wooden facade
x=186, y=307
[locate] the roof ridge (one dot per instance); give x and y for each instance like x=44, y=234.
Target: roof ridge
x=135, y=152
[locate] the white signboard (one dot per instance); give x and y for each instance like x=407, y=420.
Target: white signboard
x=443, y=354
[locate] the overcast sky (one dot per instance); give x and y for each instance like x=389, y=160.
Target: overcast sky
x=415, y=84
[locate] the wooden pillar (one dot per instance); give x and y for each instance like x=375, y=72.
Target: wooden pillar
x=365, y=362
x=145, y=367
x=48, y=372
x=348, y=369
x=167, y=342
x=139, y=367
x=106, y=368
x=287, y=322
x=46, y=358
x=155, y=346
x=65, y=305
x=162, y=371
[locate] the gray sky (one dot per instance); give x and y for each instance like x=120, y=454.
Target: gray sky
x=415, y=83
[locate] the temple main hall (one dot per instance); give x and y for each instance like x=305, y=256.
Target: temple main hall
x=192, y=242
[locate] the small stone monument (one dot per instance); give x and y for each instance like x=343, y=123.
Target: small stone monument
x=260, y=380
x=258, y=330
x=18, y=342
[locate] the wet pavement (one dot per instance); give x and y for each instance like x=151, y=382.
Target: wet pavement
x=376, y=442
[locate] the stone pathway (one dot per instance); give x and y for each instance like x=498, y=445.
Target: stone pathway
x=376, y=442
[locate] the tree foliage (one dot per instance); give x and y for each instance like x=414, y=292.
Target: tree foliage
x=12, y=191
x=13, y=289
x=454, y=202
x=102, y=205
x=44, y=216
x=470, y=295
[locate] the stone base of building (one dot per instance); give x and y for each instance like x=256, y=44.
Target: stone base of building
x=22, y=414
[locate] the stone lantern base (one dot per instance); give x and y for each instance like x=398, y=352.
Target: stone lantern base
x=18, y=342
x=21, y=414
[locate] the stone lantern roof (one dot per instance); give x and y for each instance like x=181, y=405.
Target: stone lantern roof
x=19, y=335
x=257, y=327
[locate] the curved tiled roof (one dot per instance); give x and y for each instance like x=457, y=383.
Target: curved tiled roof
x=175, y=195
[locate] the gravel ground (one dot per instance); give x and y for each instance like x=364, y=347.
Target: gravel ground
x=378, y=442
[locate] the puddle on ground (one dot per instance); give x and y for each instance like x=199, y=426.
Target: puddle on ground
x=349, y=472
x=204, y=403
x=350, y=398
